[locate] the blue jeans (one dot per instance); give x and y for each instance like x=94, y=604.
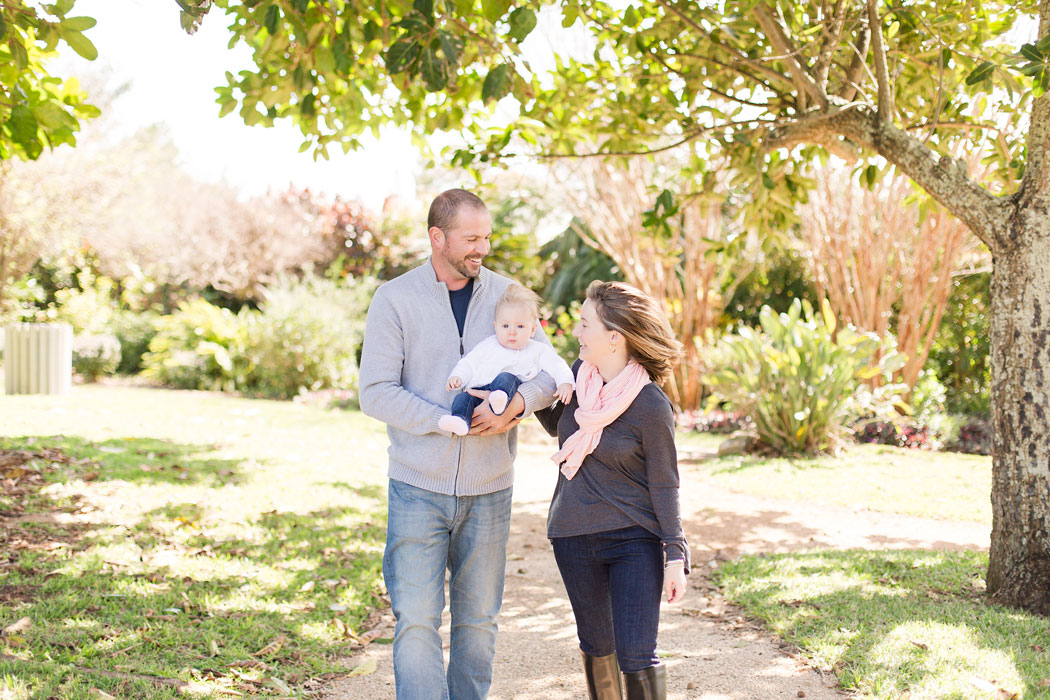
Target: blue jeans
x=464, y=404
x=614, y=581
x=428, y=532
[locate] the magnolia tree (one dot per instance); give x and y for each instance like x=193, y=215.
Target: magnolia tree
x=767, y=84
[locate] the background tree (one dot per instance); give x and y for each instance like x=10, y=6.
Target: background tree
x=881, y=262
x=681, y=251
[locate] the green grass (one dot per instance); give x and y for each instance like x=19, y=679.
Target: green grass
x=943, y=485
x=177, y=534
x=900, y=624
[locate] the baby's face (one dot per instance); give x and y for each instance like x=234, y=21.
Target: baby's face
x=515, y=325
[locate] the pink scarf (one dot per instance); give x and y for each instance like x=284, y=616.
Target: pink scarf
x=600, y=405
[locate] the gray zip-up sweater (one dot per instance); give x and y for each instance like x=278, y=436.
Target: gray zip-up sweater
x=411, y=344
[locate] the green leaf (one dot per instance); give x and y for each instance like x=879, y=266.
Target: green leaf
x=494, y=9
x=631, y=18
x=81, y=44
x=3, y=26
x=767, y=182
x=273, y=16
x=1044, y=44
x=425, y=8
x=400, y=55
x=451, y=46
x=435, y=73
x=1032, y=53
x=23, y=124
x=78, y=24
x=522, y=21
x=18, y=53
x=497, y=83
x=308, y=107
x=981, y=72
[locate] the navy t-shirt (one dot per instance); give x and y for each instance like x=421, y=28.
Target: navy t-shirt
x=460, y=299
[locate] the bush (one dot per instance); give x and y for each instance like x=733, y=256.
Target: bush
x=800, y=381
x=134, y=330
x=714, y=421
x=95, y=355
x=559, y=330
x=963, y=345
x=200, y=346
x=307, y=335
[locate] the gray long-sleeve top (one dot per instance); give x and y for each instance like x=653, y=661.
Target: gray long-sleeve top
x=630, y=479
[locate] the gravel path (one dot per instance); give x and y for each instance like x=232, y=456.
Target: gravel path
x=711, y=651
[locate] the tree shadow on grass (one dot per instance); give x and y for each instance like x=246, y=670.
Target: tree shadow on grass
x=305, y=587
x=136, y=460
x=905, y=621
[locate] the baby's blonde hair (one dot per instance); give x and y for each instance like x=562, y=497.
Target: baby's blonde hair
x=518, y=295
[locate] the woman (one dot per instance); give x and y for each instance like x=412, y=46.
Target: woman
x=614, y=521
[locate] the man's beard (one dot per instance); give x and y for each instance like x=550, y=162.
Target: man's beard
x=460, y=266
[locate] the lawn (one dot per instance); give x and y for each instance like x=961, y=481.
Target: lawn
x=900, y=624
x=944, y=485
x=183, y=541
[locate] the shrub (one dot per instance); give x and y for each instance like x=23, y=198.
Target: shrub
x=95, y=355
x=307, y=335
x=200, y=346
x=559, y=330
x=963, y=345
x=714, y=420
x=134, y=330
x=799, y=380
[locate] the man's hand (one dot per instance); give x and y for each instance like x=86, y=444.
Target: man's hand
x=486, y=422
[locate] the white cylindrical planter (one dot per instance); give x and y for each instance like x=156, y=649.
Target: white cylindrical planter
x=38, y=358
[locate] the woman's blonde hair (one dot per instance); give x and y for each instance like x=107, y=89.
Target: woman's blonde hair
x=518, y=295
x=638, y=318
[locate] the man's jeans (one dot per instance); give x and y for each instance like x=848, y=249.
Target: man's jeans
x=464, y=404
x=427, y=532
x=614, y=581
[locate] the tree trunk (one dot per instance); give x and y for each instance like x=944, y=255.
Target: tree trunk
x=1019, y=563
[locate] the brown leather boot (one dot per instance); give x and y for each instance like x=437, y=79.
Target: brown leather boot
x=647, y=684
x=603, y=677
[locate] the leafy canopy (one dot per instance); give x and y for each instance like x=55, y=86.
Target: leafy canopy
x=36, y=108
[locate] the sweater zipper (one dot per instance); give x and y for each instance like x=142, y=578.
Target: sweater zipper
x=466, y=321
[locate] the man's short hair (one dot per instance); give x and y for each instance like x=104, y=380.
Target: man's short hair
x=447, y=205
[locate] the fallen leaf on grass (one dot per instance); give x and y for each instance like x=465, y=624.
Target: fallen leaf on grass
x=273, y=647
x=16, y=627
x=101, y=694
x=993, y=687
x=1036, y=647
x=1045, y=683
x=90, y=476
x=920, y=645
x=213, y=647
x=280, y=685
x=364, y=668
x=307, y=587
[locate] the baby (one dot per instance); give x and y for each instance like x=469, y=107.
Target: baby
x=501, y=362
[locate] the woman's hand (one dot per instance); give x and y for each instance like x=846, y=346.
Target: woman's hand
x=674, y=580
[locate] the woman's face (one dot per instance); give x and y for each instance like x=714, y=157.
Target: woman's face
x=596, y=341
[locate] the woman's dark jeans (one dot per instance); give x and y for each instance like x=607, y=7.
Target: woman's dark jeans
x=464, y=404
x=614, y=581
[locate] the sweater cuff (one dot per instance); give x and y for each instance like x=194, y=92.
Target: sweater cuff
x=533, y=399
x=432, y=427
x=677, y=551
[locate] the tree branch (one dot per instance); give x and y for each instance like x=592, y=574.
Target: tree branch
x=882, y=75
x=944, y=178
x=831, y=41
x=781, y=42
x=1036, y=182
x=851, y=83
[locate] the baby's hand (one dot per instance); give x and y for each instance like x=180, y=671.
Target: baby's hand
x=453, y=383
x=564, y=392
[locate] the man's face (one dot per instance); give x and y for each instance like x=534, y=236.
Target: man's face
x=515, y=325
x=467, y=242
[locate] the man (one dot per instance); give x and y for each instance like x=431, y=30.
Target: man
x=449, y=497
